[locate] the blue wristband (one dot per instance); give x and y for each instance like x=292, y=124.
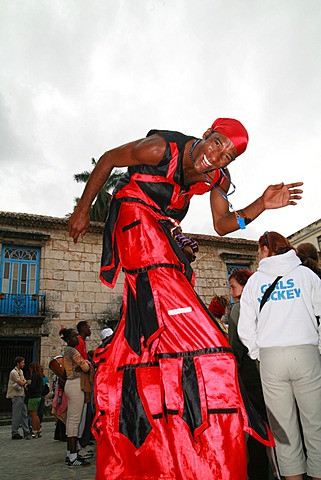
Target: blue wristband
x=241, y=223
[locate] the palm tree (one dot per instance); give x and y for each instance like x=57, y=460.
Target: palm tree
x=100, y=208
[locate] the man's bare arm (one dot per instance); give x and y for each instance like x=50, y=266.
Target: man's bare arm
x=275, y=196
x=148, y=150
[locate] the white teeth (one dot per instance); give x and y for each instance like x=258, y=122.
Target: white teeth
x=206, y=162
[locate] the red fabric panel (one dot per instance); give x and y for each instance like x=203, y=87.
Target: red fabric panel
x=216, y=449
x=171, y=370
x=173, y=162
x=81, y=347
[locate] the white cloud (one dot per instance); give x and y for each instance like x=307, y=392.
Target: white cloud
x=84, y=76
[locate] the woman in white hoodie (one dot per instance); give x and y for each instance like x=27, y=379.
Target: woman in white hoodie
x=280, y=329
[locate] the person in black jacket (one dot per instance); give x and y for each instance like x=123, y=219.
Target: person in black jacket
x=258, y=462
x=34, y=390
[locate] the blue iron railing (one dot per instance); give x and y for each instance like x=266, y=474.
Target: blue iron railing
x=16, y=304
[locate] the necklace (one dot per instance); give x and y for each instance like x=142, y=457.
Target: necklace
x=196, y=142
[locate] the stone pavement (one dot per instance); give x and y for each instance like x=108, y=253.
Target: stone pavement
x=40, y=459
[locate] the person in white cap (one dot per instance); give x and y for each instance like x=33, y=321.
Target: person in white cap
x=105, y=333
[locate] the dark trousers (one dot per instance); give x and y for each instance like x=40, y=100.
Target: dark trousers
x=87, y=435
x=258, y=464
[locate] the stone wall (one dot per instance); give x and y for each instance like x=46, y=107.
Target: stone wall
x=69, y=277
x=70, y=280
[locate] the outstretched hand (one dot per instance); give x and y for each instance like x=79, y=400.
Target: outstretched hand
x=281, y=195
x=78, y=224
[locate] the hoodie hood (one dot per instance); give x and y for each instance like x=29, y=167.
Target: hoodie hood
x=279, y=265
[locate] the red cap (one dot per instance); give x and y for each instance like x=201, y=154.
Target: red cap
x=234, y=130
x=217, y=308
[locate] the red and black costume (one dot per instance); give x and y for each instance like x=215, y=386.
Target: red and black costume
x=168, y=400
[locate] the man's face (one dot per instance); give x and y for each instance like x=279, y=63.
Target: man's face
x=218, y=152
x=87, y=330
x=21, y=364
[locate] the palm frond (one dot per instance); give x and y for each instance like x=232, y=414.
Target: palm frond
x=82, y=177
x=100, y=208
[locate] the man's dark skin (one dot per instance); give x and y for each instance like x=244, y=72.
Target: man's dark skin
x=84, y=330
x=213, y=152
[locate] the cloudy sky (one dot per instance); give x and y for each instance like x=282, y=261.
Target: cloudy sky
x=79, y=77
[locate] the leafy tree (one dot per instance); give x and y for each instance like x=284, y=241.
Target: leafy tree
x=100, y=208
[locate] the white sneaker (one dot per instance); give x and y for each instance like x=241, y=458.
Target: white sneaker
x=78, y=462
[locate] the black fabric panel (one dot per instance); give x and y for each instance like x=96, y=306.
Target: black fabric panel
x=132, y=366
x=132, y=323
x=160, y=192
x=180, y=139
x=160, y=170
x=194, y=353
x=178, y=214
x=146, y=306
x=172, y=136
x=131, y=225
x=133, y=421
x=122, y=181
x=151, y=267
x=254, y=419
x=222, y=410
x=192, y=406
x=108, y=231
x=157, y=415
x=211, y=411
x=166, y=226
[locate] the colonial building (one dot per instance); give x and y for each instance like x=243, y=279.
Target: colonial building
x=47, y=281
x=309, y=234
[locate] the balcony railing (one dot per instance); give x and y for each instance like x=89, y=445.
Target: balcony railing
x=18, y=305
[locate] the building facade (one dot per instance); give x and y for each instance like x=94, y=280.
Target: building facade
x=47, y=282
x=309, y=234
